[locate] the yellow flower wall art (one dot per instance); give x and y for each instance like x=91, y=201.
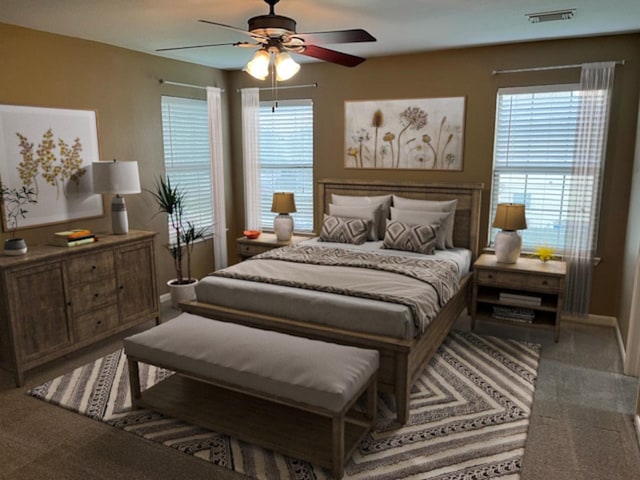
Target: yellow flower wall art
x=50, y=151
x=51, y=165
x=425, y=134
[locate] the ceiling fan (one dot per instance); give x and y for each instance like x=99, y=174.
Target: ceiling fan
x=275, y=36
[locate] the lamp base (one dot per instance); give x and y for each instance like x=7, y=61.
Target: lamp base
x=283, y=227
x=508, y=246
x=119, y=220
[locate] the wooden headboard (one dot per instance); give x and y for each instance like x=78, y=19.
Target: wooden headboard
x=467, y=217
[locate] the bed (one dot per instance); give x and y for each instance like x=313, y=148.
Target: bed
x=405, y=346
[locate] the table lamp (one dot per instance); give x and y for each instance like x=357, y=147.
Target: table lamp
x=283, y=204
x=510, y=218
x=116, y=178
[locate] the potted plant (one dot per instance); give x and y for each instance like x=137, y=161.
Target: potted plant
x=170, y=200
x=14, y=201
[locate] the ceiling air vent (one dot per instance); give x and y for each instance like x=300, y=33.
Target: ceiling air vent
x=567, y=14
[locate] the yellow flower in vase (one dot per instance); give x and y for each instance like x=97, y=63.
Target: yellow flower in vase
x=545, y=253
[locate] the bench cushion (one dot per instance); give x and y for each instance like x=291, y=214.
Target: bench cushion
x=313, y=372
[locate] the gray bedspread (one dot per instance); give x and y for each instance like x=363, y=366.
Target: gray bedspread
x=423, y=285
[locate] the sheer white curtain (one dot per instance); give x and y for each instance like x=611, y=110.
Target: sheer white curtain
x=217, y=174
x=251, y=156
x=596, y=84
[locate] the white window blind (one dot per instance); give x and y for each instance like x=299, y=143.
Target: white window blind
x=185, y=133
x=534, y=157
x=286, y=158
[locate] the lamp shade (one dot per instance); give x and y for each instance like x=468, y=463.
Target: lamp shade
x=119, y=178
x=258, y=66
x=286, y=67
x=510, y=216
x=283, y=202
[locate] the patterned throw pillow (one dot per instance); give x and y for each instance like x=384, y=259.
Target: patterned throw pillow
x=439, y=219
x=410, y=237
x=344, y=230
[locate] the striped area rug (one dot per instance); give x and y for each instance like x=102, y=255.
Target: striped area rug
x=469, y=417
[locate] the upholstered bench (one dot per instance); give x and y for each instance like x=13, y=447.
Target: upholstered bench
x=289, y=394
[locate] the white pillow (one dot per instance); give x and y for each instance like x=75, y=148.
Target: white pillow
x=383, y=200
x=368, y=212
x=431, y=206
x=425, y=218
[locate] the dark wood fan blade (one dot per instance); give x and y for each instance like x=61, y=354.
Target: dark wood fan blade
x=338, y=36
x=235, y=44
x=235, y=29
x=332, y=56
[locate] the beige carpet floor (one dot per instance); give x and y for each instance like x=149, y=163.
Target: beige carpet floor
x=581, y=425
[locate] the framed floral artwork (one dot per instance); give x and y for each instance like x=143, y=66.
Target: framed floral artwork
x=49, y=151
x=419, y=133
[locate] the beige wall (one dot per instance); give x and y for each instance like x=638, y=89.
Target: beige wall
x=467, y=72
x=41, y=69
x=49, y=70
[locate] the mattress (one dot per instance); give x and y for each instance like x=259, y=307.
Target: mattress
x=366, y=315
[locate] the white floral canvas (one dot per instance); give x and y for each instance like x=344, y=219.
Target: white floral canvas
x=424, y=133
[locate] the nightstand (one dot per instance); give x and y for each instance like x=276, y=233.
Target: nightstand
x=527, y=293
x=248, y=247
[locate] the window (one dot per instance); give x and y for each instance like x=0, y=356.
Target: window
x=286, y=158
x=185, y=133
x=534, y=158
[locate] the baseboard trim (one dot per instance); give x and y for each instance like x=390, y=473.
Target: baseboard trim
x=165, y=297
x=621, y=346
x=637, y=422
x=596, y=320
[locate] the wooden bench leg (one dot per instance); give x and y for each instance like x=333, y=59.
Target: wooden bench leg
x=372, y=401
x=134, y=382
x=338, y=446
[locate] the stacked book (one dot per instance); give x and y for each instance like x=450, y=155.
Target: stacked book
x=519, y=298
x=515, y=314
x=73, y=238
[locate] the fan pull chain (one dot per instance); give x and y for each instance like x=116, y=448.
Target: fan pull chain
x=274, y=88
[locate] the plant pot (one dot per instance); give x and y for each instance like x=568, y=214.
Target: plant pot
x=15, y=246
x=182, y=292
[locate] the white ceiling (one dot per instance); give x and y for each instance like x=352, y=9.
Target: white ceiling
x=400, y=26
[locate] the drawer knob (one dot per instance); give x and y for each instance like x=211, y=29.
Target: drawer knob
x=544, y=282
x=96, y=295
x=93, y=267
x=99, y=322
x=490, y=276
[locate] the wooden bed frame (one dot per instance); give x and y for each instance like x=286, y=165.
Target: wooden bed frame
x=401, y=361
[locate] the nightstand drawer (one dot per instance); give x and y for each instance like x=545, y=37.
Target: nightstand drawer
x=245, y=250
x=518, y=280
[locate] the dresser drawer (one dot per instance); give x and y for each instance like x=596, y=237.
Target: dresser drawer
x=86, y=298
x=96, y=322
x=519, y=280
x=87, y=268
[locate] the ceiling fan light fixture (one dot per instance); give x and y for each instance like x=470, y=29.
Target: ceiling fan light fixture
x=258, y=66
x=286, y=66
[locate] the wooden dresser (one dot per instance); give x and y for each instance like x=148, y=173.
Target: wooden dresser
x=55, y=300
